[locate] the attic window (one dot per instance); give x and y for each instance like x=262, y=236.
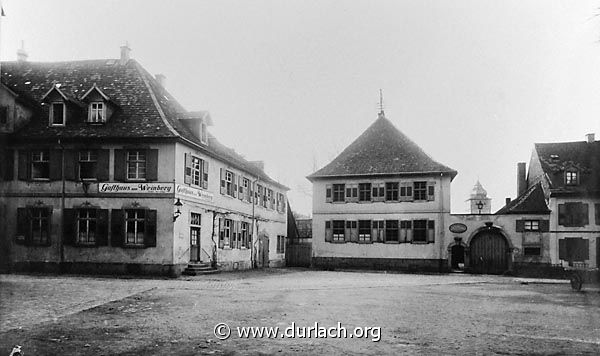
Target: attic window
x=554, y=158
x=203, y=133
x=97, y=112
x=58, y=114
x=571, y=177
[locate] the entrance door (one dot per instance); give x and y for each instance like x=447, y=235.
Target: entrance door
x=195, y=249
x=458, y=256
x=489, y=253
x=263, y=251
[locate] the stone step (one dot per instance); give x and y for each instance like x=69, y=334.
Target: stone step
x=193, y=272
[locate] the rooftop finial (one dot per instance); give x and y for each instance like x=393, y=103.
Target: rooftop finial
x=381, y=113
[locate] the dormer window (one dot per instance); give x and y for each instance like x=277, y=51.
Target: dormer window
x=203, y=133
x=97, y=112
x=58, y=114
x=571, y=177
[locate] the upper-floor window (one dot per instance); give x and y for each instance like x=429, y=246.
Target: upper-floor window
x=196, y=171
x=40, y=164
x=58, y=114
x=338, y=192
x=420, y=190
x=88, y=164
x=271, y=199
x=571, y=177
x=247, y=190
x=391, y=191
x=364, y=192
x=97, y=112
x=136, y=164
x=378, y=191
x=573, y=214
x=280, y=202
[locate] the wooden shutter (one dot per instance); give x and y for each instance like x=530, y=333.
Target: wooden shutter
x=328, y=231
x=562, y=249
x=24, y=165
x=55, y=165
x=221, y=232
x=150, y=229
x=103, y=165
x=23, y=226
x=117, y=227
x=204, y=174
x=49, y=227
x=102, y=227
x=223, y=184
x=234, y=185
x=240, y=187
x=354, y=231
x=430, y=191
x=431, y=231
x=562, y=214
x=328, y=193
x=379, y=192
x=152, y=165
x=409, y=231
x=8, y=165
x=597, y=218
x=405, y=191
x=582, y=249
x=69, y=226
x=71, y=165
x=584, y=215
x=544, y=225
x=520, y=225
x=120, y=166
x=187, y=171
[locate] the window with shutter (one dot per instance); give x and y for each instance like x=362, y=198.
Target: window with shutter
x=339, y=232
x=420, y=190
x=391, y=191
x=419, y=231
x=364, y=192
x=328, y=193
x=406, y=191
x=338, y=192
x=40, y=164
x=88, y=164
x=364, y=230
x=391, y=231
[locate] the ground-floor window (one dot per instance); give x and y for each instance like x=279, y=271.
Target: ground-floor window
x=420, y=230
x=573, y=249
x=33, y=225
x=280, y=244
x=135, y=224
x=391, y=231
x=86, y=226
x=364, y=230
x=532, y=251
x=234, y=234
x=338, y=230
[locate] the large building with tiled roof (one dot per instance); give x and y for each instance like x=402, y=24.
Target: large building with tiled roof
x=103, y=170
x=381, y=203
x=569, y=173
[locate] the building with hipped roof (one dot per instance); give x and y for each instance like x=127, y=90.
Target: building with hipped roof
x=104, y=171
x=381, y=203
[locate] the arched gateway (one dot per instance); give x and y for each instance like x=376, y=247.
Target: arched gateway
x=489, y=251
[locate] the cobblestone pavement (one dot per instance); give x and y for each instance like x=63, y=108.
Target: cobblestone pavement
x=418, y=314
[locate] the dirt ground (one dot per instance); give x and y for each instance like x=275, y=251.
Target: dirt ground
x=417, y=314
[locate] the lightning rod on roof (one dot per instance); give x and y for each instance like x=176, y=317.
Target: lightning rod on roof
x=381, y=113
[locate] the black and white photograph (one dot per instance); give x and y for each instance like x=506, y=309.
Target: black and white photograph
x=299, y=177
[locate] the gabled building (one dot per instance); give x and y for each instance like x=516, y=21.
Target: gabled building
x=104, y=171
x=569, y=173
x=381, y=204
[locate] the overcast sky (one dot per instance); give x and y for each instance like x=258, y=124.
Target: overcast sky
x=474, y=83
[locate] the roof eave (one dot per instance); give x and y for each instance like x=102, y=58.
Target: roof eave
x=314, y=177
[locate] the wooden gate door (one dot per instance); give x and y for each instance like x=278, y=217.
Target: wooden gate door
x=489, y=253
x=195, y=244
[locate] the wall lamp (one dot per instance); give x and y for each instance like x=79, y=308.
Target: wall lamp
x=177, y=213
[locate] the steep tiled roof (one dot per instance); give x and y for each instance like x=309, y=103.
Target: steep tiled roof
x=382, y=149
x=582, y=156
x=144, y=108
x=532, y=201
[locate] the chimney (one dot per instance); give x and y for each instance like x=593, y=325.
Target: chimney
x=161, y=79
x=21, y=53
x=521, y=182
x=590, y=137
x=507, y=201
x=125, y=53
x=259, y=164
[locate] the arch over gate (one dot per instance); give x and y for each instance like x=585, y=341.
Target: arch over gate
x=490, y=251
